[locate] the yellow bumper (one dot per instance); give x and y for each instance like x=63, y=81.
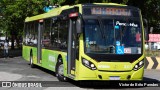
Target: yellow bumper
x=87, y=74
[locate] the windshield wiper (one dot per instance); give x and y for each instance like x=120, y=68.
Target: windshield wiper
x=101, y=28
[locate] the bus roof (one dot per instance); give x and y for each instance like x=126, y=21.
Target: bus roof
x=57, y=11
x=53, y=12
x=113, y=4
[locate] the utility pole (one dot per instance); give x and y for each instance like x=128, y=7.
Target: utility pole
x=150, y=44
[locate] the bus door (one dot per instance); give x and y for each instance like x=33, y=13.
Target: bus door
x=72, y=53
x=71, y=47
x=39, y=43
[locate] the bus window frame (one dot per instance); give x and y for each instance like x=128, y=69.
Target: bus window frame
x=55, y=21
x=30, y=31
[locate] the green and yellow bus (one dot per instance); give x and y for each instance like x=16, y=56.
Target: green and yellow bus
x=99, y=41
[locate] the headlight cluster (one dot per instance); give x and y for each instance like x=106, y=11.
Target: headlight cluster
x=138, y=65
x=88, y=64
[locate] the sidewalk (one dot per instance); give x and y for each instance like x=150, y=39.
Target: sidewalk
x=12, y=53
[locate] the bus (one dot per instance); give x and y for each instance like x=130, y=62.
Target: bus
x=95, y=41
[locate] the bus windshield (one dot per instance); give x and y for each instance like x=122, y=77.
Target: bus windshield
x=112, y=36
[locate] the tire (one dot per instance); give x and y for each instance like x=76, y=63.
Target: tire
x=59, y=71
x=31, y=62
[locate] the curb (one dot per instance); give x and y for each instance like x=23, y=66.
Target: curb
x=152, y=63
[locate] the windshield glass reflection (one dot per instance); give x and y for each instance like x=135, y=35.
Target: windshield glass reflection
x=112, y=36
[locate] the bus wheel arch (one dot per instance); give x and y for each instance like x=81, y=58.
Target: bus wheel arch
x=31, y=59
x=60, y=69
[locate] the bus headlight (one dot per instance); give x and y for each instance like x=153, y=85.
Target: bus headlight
x=138, y=65
x=88, y=64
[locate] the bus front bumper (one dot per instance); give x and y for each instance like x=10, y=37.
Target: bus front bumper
x=108, y=75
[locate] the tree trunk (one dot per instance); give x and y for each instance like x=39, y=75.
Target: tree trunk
x=12, y=41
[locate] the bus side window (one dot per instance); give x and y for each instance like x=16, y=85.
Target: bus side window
x=63, y=33
x=46, y=34
x=34, y=34
x=35, y=41
x=54, y=35
x=59, y=35
x=31, y=32
x=25, y=34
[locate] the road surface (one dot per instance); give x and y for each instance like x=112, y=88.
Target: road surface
x=17, y=69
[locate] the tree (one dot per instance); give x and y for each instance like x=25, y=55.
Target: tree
x=14, y=14
x=150, y=10
x=153, y=14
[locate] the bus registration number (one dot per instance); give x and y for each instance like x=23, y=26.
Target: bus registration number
x=114, y=78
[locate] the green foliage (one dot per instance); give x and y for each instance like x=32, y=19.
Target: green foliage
x=150, y=10
x=153, y=12
x=53, y=2
x=14, y=13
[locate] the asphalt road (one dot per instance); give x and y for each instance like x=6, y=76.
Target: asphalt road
x=17, y=69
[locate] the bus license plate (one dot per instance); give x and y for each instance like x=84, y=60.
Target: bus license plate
x=114, y=78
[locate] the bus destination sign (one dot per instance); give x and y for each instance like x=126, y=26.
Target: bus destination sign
x=110, y=11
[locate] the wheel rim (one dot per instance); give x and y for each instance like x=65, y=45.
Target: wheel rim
x=31, y=61
x=60, y=70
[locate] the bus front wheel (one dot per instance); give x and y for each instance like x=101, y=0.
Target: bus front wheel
x=60, y=70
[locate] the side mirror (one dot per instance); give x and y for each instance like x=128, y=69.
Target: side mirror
x=145, y=25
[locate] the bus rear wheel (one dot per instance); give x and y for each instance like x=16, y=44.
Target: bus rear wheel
x=60, y=70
